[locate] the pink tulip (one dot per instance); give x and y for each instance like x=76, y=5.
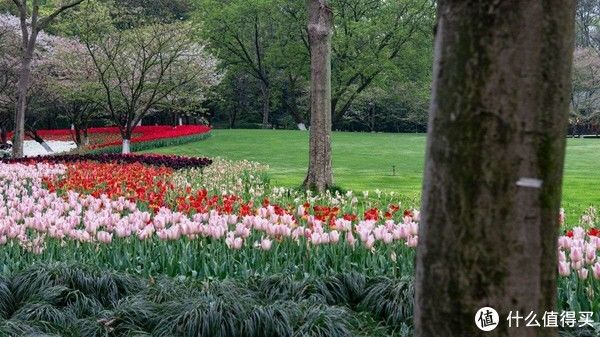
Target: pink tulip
x=596, y=270
x=403, y=231
x=416, y=216
x=104, y=237
x=266, y=244
x=370, y=242
x=564, y=269
x=315, y=238
x=564, y=242
x=334, y=236
x=578, y=233
x=412, y=241
x=388, y=238
x=576, y=254
x=562, y=257
x=582, y=273
x=350, y=238
x=413, y=228
x=590, y=254
x=237, y=243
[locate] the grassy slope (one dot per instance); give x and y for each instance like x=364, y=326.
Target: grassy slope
x=363, y=161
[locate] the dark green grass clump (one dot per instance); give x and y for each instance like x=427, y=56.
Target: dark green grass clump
x=61, y=300
x=75, y=301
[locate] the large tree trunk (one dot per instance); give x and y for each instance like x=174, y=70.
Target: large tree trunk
x=494, y=164
x=320, y=20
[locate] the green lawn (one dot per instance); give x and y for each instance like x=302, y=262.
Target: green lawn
x=364, y=161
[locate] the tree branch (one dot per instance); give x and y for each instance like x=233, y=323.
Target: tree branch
x=45, y=21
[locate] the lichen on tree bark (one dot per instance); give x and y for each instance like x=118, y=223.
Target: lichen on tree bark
x=498, y=114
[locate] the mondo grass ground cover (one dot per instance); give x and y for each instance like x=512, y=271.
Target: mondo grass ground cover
x=365, y=161
x=72, y=300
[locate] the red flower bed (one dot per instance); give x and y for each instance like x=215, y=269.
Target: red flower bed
x=136, y=181
x=110, y=136
x=151, y=133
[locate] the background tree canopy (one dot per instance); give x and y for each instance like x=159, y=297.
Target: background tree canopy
x=381, y=60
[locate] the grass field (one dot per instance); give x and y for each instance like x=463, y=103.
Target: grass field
x=365, y=161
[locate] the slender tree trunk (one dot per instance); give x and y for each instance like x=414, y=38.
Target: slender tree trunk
x=320, y=175
x=22, y=88
x=77, y=132
x=85, y=139
x=232, y=118
x=266, y=103
x=32, y=133
x=3, y=135
x=126, y=135
x=494, y=164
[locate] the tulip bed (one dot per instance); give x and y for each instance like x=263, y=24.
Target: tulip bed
x=108, y=139
x=149, y=219
x=220, y=222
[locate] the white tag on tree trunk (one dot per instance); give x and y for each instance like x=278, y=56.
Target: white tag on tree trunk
x=529, y=182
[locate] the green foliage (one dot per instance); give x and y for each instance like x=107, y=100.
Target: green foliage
x=202, y=258
x=376, y=44
x=70, y=301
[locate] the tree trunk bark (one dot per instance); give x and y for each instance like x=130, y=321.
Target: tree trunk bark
x=3, y=135
x=320, y=20
x=22, y=88
x=126, y=132
x=266, y=103
x=85, y=139
x=77, y=131
x=494, y=164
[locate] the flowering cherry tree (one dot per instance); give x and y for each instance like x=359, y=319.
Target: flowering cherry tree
x=73, y=85
x=141, y=68
x=585, y=97
x=10, y=68
x=31, y=24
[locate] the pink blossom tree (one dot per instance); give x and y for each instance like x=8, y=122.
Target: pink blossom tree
x=142, y=68
x=31, y=24
x=73, y=85
x=585, y=96
x=10, y=64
